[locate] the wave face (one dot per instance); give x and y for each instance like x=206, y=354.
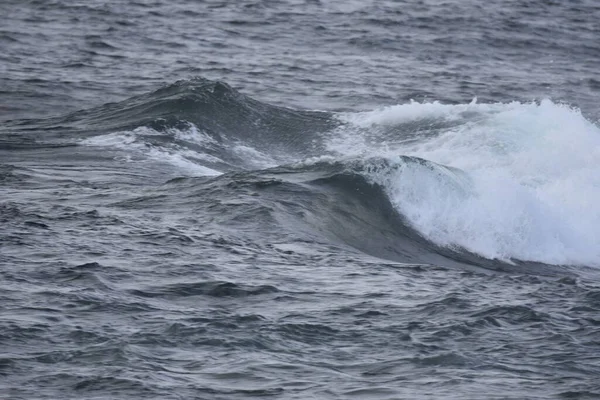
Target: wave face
x=516, y=182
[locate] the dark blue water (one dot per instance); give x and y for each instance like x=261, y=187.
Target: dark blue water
x=299, y=200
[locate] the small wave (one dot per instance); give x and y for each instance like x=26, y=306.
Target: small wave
x=204, y=128
x=212, y=289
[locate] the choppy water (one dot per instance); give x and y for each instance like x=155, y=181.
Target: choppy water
x=299, y=199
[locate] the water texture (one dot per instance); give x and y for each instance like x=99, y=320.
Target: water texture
x=299, y=200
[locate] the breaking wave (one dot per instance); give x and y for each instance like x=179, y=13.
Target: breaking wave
x=508, y=182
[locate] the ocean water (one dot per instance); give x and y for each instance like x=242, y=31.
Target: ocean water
x=299, y=199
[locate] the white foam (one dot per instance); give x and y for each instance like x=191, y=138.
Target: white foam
x=133, y=142
x=191, y=134
x=533, y=187
x=408, y=112
x=255, y=157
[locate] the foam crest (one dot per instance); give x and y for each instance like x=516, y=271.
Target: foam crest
x=413, y=111
x=139, y=146
x=533, y=187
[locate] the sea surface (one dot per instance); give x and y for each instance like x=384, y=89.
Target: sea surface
x=299, y=199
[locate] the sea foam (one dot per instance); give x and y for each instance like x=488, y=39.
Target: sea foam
x=532, y=190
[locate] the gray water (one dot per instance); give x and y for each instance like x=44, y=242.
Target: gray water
x=291, y=199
